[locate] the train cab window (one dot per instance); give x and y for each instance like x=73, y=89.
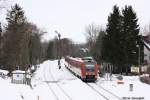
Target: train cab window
x=88, y=59
x=89, y=67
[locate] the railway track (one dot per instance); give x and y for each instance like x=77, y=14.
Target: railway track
x=54, y=83
x=109, y=91
x=60, y=86
x=107, y=95
x=99, y=93
x=50, y=88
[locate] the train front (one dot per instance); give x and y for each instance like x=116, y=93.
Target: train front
x=90, y=70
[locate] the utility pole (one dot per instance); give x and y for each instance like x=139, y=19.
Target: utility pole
x=0, y=34
x=59, y=52
x=139, y=58
x=140, y=54
x=0, y=40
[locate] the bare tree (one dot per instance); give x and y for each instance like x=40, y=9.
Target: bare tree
x=146, y=31
x=66, y=46
x=92, y=32
x=34, y=45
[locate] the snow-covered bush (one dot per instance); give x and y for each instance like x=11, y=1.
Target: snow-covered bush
x=120, y=77
x=145, y=80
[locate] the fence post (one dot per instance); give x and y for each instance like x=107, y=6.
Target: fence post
x=131, y=87
x=38, y=98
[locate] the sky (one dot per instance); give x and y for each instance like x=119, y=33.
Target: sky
x=70, y=17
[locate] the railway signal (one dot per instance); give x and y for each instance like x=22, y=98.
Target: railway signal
x=59, y=54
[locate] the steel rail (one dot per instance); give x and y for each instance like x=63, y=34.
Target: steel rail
x=59, y=85
x=44, y=75
x=108, y=91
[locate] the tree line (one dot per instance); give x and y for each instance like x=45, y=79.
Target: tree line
x=64, y=47
x=120, y=43
x=20, y=41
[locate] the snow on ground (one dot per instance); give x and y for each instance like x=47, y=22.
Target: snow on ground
x=4, y=72
x=140, y=90
x=10, y=91
x=51, y=83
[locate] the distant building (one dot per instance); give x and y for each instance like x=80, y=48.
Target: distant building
x=146, y=41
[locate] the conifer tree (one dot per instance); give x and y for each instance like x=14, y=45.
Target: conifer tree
x=112, y=45
x=131, y=38
x=121, y=40
x=14, y=38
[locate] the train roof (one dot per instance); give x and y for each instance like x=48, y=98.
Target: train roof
x=76, y=59
x=88, y=59
x=84, y=59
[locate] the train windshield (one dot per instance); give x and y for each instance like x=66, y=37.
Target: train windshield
x=88, y=59
x=90, y=67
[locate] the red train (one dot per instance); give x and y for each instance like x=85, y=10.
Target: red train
x=86, y=69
